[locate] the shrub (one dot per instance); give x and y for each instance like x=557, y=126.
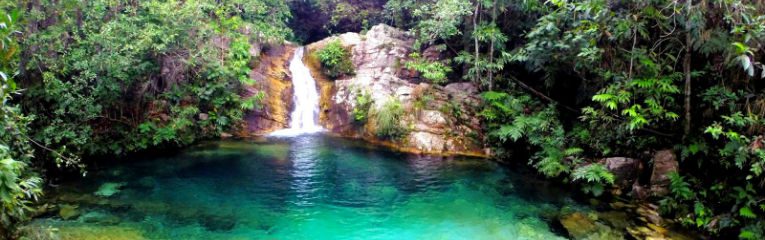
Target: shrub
x=361, y=106
x=595, y=177
x=335, y=59
x=388, y=120
x=434, y=72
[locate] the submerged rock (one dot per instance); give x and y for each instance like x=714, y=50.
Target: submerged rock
x=67, y=211
x=100, y=233
x=578, y=225
x=581, y=226
x=218, y=223
x=109, y=189
x=147, y=182
x=648, y=213
x=99, y=218
x=616, y=219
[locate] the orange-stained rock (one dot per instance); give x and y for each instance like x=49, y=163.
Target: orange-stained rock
x=272, y=77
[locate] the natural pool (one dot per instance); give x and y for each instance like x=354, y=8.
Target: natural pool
x=307, y=187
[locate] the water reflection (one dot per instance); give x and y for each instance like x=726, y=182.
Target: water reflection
x=426, y=170
x=305, y=161
x=312, y=187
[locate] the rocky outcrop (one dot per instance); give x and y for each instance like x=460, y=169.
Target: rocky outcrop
x=438, y=119
x=664, y=163
x=272, y=78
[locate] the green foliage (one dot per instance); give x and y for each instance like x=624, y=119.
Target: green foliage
x=18, y=190
x=657, y=96
x=106, y=77
x=595, y=175
x=19, y=184
x=679, y=187
x=335, y=59
x=152, y=74
x=440, y=20
x=452, y=108
x=363, y=101
x=512, y=118
x=388, y=120
x=434, y=72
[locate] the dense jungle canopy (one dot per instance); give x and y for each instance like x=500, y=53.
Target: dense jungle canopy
x=570, y=82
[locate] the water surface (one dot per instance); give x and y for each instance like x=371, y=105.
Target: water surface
x=309, y=187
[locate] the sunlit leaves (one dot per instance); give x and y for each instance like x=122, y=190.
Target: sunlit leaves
x=593, y=173
x=335, y=59
x=747, y=212
x=441, y=20
x=435, y=71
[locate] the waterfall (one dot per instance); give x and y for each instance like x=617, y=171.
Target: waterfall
x=305, y=116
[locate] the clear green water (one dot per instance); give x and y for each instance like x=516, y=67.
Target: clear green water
x=310, y=187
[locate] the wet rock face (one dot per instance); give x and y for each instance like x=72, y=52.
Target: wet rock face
x=273, y=79
x=437, y=119
x=664, y=162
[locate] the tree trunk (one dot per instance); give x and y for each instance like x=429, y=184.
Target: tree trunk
x=475, y=42
x=491, y=46
x=687, y=71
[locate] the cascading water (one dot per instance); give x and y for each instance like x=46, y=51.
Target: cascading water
x=306, y=98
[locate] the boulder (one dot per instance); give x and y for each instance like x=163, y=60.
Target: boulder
x=625, y=170
x=664, y=162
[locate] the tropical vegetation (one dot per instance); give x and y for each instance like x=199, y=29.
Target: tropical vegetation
x=575, y=80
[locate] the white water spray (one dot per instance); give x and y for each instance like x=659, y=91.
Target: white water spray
x=306, y=98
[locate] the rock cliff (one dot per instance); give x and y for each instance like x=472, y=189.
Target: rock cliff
x=273, y=79
x=438, y=119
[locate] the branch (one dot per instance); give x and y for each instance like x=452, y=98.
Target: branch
x=530, y=89
x=50, y=150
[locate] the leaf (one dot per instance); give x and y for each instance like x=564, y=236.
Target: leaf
x=746, y=63
x=740, y=47
x=747, y=212
x=746, y=234
x=602, y=97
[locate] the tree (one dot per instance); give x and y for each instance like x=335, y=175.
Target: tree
x=19, y=185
